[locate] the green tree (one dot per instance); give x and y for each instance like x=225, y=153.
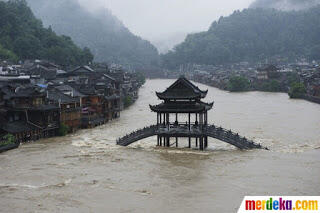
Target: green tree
x=7, y=55
x=271, y=86
x=63, y=130
x=141, y=78
x=8, y=139
x=22, y=36
x=297, y=90
x=238, y=84
x=251, y=35
x=127, y=101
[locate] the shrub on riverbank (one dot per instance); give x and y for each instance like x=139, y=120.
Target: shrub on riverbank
x=270, y=86
x=127, y=101
x=141, y=78
x=238, y=84
x=8, y=139
x=63, y=130
x=297, y=90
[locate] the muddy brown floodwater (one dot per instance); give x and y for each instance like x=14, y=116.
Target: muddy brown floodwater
x=87, y=172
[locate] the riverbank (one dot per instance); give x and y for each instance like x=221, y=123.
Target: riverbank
x=4, y=148
x=309, y=98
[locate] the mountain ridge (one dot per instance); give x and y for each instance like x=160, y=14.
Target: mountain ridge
x=22, y=36
x=252, y=35
x=107, y=37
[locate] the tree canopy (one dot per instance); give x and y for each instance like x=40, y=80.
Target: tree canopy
x=238, y=84
x=22, y=36
x=107, y=37
x=297, y=90
x=252, y=35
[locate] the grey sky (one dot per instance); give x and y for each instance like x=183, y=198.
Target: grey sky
x=156, y=20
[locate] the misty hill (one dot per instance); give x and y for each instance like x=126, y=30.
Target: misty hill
x=285, y=4
x=22, y=36
x=109, y=40
x=252, y=35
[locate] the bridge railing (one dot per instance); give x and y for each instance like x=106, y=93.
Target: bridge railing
x=140, y=132
x=211, y=130
x=232, y=137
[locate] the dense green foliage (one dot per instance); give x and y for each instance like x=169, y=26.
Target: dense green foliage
x=297, y=90
x=22, y=36
x=270, y=86
x=252, y=35
x=109, y=40
x=63, y=130
x=127, y=101
x=285, y=4
x=141, y=78
x=8, y=139
x=238, y=84
x=293, y=77
x=7, y=54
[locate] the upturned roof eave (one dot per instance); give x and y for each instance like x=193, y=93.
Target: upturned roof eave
x=163, y=96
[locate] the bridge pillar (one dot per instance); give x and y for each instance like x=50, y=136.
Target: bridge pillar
x=160, y=141
x=168, y=142
x=196, y=141
x=206, y=142
x=189, y=142
x=176, y=141
x=201, y=144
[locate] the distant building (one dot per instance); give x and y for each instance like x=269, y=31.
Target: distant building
x=267, y=72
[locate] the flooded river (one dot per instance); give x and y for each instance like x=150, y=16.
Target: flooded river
x=87, y=172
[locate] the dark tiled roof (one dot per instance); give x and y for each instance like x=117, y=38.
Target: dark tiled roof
x=12, y=91
x=182, y=107
x=66, y=87
x=18, y=127
x=43, y=71
x=57, y=96
x=182, y=89
x=45, y=107
x=112, y=97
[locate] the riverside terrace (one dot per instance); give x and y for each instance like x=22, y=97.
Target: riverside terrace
x=81, y=98
x=184, y=98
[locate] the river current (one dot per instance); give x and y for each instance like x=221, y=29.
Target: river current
x=87, y=172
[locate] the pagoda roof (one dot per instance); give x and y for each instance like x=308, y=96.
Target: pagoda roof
x=182, y=89
x=182, y=107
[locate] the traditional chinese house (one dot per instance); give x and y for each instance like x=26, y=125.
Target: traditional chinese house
x=28, y=115
x=102, y=99
x=70, y=110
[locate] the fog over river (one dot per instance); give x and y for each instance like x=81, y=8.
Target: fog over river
x=87, y=172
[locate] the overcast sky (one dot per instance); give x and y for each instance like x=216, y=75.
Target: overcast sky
x=156, y=20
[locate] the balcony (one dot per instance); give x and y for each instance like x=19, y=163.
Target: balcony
x=43, y=107
x=180, y=130
x=52, y=125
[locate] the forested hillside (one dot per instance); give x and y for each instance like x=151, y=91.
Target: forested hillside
x=252, y=35
x=22, y=36
x=108, y=39
x=285, y=4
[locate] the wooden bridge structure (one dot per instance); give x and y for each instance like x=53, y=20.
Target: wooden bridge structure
x=184, y=98
x=211, y=131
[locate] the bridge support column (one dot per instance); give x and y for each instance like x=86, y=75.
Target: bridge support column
x=189, y=142
x=160, y=141
x=196, y=142
x=168, y=142
x=201, y=143
x=206, y=142
x=176, y=141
